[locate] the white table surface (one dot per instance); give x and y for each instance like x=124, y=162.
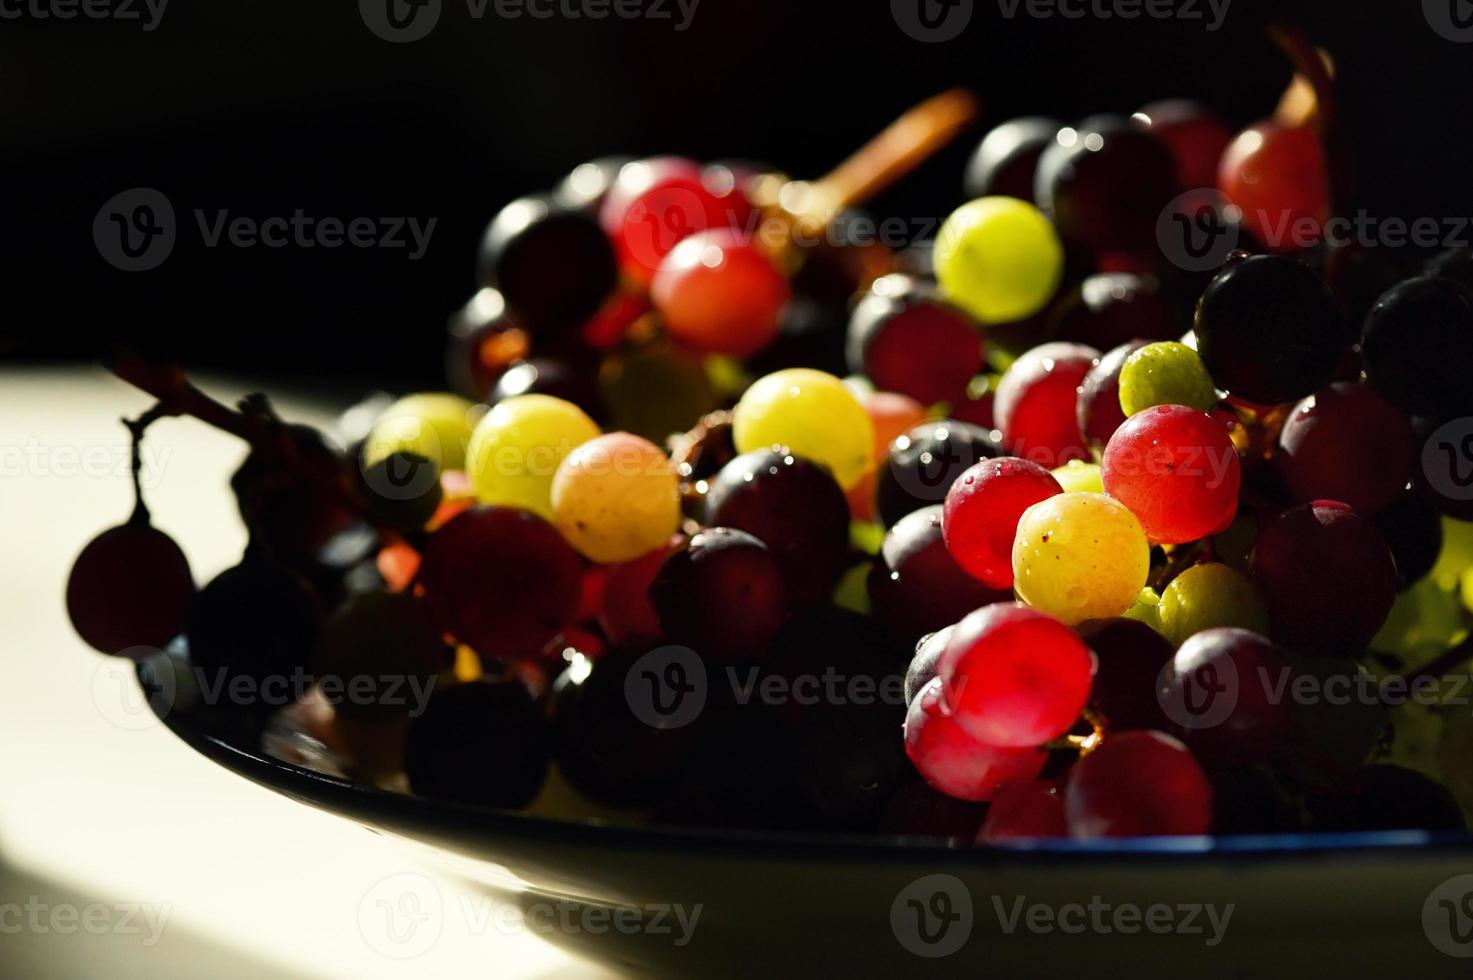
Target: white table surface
x=105, y=815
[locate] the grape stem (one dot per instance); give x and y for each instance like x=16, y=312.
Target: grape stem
x=1301, y=52
x=136, y=428
x=1084, y=744
x=1454, y=657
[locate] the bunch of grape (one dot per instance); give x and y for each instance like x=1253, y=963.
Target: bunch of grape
x=1074, y=521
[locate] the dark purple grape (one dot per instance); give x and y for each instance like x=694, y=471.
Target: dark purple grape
x=542, y=376
x=291, y=516
x=793, y=506
x=481, y=743
x=721, y=595
x=1384, y=797
x=1105, y=185
x=1005, y=162
x=916, y=587
x=1131, y=656
x=1417, y=346
x=378, y=654
x=1099, y=411
x=1269, y=329
x=130, y=588
x=925, y=462
x=1250, y=801
x=1413, y=528
x=1222, y=694
x=483, y=341
x=1114, y=308
x=553, y=263
x=1455, y=264
x=738, y=776
x=907, y=339
x=1193, y=133
x=403, y=490
x=847, y=762
x=1347, y=443
x=925, y=664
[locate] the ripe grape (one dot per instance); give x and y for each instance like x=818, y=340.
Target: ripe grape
x=954, y=762
x=1412, y=527
x=1177, y=471
x=381, y=650
x=1276, y=176
x=1079, y=477
x=982, y=513
x=1165, y=373
x=552, y=263
x=1245, y=671
x=916, y=587
x=925, y=462
x=541, y=376
x=1113, y=308
x=1014, y=676
x=721, y=595
x=892, y=416
x=1007, y=158
x=435, y=426
x=655, y=389
x=793, y=506
x=1194, y=134
x=811, y=414
x=626, y=615
x=1131, y=656
x=1346, y=443
x=926, y=662
x=481, y=743
x=1037, y=402
x=501, y=581
x=1080, y=556
x=1209, y=596
x=1098, y=410
x=1328, y=578
x=1417, y=344
x=1269, y=330
x=717, y=292
x=484, y=340
x=1025, y=811
x=1106, y=184
x=616, y=497
x=999, y=259
x=905, y=339
x=1137, y=784
x=129, y=588
x=517, y=447
x=403, y=491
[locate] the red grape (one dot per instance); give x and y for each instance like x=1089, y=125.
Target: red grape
x=906, y=339
x=1137, y=784
x=722, y=595
x=1098, y=409
x=1025, y=811
x=1177, y=471
x=1037, y=400
x=716, y=292
x=1347, y=443
x=130, y=587
x=956, y=763
x=627, y=617
x=1111, y=308
x=1193, y=133
x=1015, y=676
x=1225, y=689
x=982, y=513
x=1276, y=176
x=1105, y=183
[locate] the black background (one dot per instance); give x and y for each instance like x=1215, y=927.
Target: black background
x=273, y=105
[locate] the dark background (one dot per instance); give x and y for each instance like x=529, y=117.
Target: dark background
x=274, y=105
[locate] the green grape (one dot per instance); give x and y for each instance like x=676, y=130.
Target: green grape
x=655, y=391
x=1416, y=731
x=1455, y=756
x=435, y=426
x=1208, y=596
x=1456, y=557
x=999, y=259
x=1077, y=476
x=616, y=498
x=1425, y=621
x=517, y=448
x=811, y=414
x=1165, y=374
x=1234, y=547
x=866, y=537
x=1147, y=609
x=852, y=592
x=1080, y=556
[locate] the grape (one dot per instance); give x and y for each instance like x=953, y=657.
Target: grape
x=1137, y=784
x=925, y=462
x=811, y=414
x=1025, y=811
x=587, y=184
x=1251, y=802
x=1195, y=136
x=1207, y=597
x=907, y=340
x=1014, y=676
x=403, y=491
x=1269, y=330
x=1077, y=477
x=999, y=259
x=377, y=655
x=1345, y=443
x=501, y=581
x=655, y=390
x=1080, y=556
x=917, y=587
x=793, y=506
x=551, y=262
x=1276, y=177
x=1106, y=184
x=1385, y=798
x=892, y=416
x=1424, y=622
x=484, y=340
x=1327, y=576
x=1334, y=733
x=1165, y=373
x=721, y=595
x=541, y=376
x=517, y=447
x=717, y=292
x=1242, y=668
x=1417, y=344
x=1177, y=471
x=1037, y=402
x=1146, y=610
x=847, y=763
x=1456, y=556
x=1005, y=161
x=982, y=513
x=480, y=743
x=1113, y=308
x=954, y=762
x=926, y=662
x=130, y=588
x=1098, y=410
x=917, y=810
x=435, y=426
x=1131, y=656
x=626, y=615
x=294, y=517
x=616, y=497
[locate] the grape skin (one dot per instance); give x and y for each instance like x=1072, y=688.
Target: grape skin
x=516, y=449
x=1080, y=556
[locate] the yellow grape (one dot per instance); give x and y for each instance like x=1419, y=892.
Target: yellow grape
x=1077, y=476
x=811, y=414
x=616, y=498
x=1209, y=596
x=1080, y=556
x=999, y=259
x=517, y=448
x=433, y=425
